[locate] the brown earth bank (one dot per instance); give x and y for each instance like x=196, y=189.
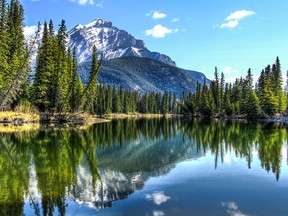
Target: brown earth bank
x=18, y=118
x=135, y=115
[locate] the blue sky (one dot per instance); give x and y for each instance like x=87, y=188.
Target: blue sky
x=198, y=35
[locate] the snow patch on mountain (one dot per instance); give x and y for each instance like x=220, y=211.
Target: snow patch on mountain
x=110, y=41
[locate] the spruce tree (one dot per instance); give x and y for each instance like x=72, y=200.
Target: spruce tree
x=268, y=101
x=227, y=106
x=277, y=85
x=13, y=53
x=216, y=91
x=41, y=89
x=3, y=45
x=222, y=86
x=91, y=86
x=74, y=87
x=62, y=70
x=115, y=100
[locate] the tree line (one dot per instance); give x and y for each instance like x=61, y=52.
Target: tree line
x=242, y=97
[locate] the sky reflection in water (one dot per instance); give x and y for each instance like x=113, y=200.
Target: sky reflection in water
x=146, y=167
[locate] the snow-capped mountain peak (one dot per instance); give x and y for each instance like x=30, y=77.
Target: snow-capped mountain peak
x=110, y=40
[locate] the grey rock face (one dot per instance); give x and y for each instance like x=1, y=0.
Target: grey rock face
x=110, y=41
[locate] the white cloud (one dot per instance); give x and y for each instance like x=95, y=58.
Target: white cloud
x=84, y=2
x=229, y=70
x=158, y=198
x=176, y=19
x=230, y=74
x=233, y=19
x=230, y=24
x=238, y=15
x=156, y=15
x=159, y=31
x=30, y=30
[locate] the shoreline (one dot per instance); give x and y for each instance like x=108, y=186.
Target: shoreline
x=18, y=118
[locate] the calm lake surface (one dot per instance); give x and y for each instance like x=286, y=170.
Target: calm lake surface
x=146, y=167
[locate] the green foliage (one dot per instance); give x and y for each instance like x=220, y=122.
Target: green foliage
x=91, y=87
x=241, y=98
x=13, y=53
x=57, y=86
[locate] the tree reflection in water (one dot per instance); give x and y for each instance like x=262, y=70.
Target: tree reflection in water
x=78, y=163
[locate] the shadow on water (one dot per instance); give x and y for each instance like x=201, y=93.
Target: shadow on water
x=109, y=161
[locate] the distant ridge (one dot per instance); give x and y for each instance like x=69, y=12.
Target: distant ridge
x=144, y=74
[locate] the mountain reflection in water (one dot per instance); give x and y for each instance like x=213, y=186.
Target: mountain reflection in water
x=108, y=162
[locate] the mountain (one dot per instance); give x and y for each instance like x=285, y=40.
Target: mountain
x=144, y=74
x=110, y=40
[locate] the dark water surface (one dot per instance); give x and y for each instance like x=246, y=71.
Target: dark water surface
x=146, y=167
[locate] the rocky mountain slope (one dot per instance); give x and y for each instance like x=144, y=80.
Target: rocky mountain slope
x=110, y=40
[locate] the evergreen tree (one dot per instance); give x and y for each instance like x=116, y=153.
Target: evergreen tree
x=91, y=87
x=205, y=106
x=197, y=97
x=268, y=101
x=75, y=82
x=227, y=102
x=13, y=53
x=277, y=82
x=216, y=90
x=250, y=99
x=222, y=86
x=164, y=103
x=115, y=100
x=41, y=89
x=62, y=70
x=3, y=45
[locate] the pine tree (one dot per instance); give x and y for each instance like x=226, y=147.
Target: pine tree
x=109, y=98
x=277, y=85
x=227, y=102
x=216, y=91
x=197, y=96
x=3, y=45
x=268, y=101
x=120, y=96
x=126, y=102
x=73, y=87
x=62, y=70
x=41, y=89
x=222, y=86
x=115, y=100
x=250, y=99
x=91, y=87
x=13, y=53
x=164, y=103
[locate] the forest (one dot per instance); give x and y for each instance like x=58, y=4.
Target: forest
x=53, y=84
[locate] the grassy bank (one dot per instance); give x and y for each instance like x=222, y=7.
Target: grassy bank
x=134, y=115
x=18, y=117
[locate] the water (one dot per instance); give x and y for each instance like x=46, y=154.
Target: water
x=146, y=167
